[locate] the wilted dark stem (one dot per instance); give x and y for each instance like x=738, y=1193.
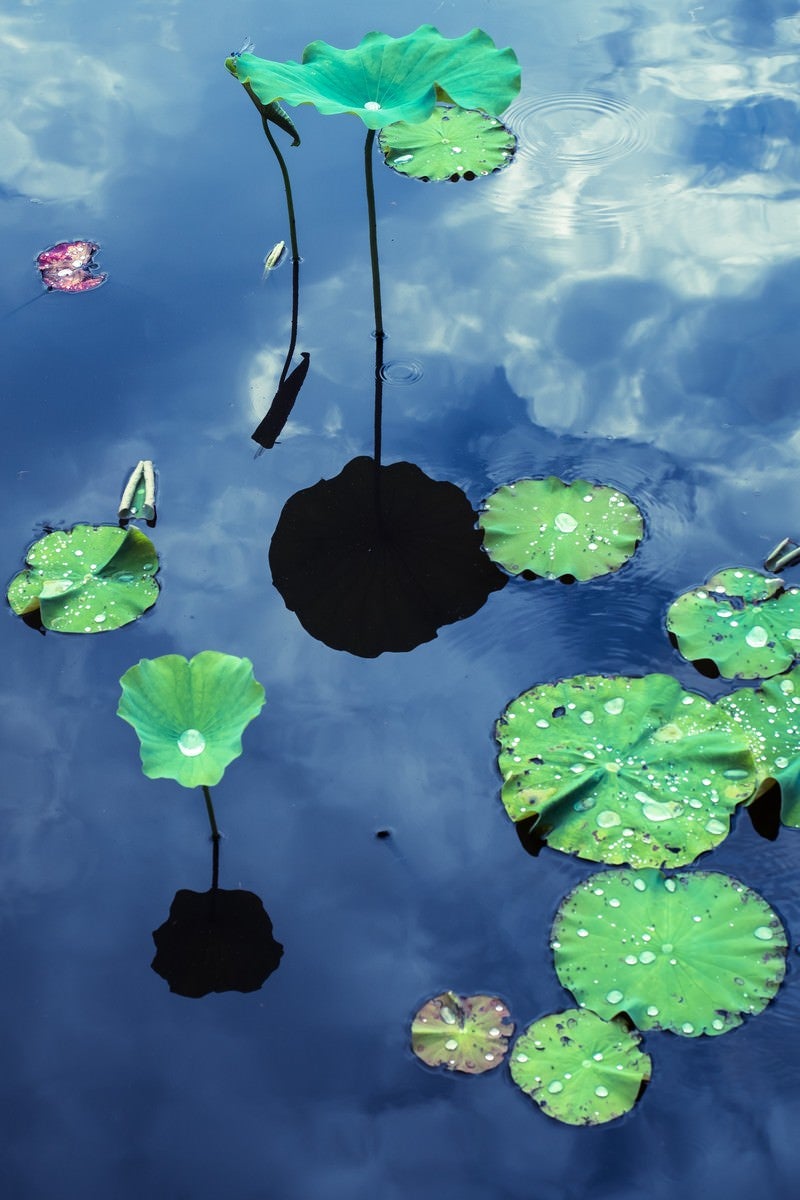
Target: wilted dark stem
x=287, y=188
x=376, y=299
x=211, y=818
x=215, y=865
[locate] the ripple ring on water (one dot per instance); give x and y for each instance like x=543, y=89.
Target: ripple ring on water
x=399, y=371
x=580, y=128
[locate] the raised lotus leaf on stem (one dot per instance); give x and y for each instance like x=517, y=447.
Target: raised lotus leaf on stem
x=692, y=952
x=769, y=717
x=558, y=530
x=745, y=623
x=454, y=143
x=88, y=579
x=462, y=1033
x=618, y=769
x=385, y=79
x=190, y=715
x=579, y=1068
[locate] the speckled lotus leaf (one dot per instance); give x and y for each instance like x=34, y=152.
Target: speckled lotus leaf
x=462, y=1033
x=385, y=79
x=692, y=953
x=580, y=1069
x=769, y=717
x=189, y=716
x=70, y=267
x=88, y=579
x=547, y=527
x=454, y=143
x=623, y=770
x=744, y=622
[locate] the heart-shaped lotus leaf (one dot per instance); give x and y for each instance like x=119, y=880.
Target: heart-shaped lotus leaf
x=385, y=79
x=692, y=953
x=454, y=143
x=580, y=1069
x=769, y=717
x=87, y=579
x=190, y=715
x=560, y=530
x=462, y=1033
x=623, y=770
x=747, y=624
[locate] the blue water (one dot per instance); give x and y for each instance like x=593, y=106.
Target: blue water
x=621, y=305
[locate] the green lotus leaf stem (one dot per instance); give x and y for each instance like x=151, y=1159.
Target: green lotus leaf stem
x=462, y=1033
x=125, y=510
x=769, y=717
x=190, y=715
x=619, y=769
x=212, y=820
x=745, y=623
x=775, y=554
x=558, y=530
x=693, y=953
x=787, y=560
x=386, y=79
x=454, y=143
x=88, y=579
x=149, y=505
x=579, y=1068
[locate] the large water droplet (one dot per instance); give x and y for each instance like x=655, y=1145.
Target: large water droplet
x=565, y=523
x=757, y=637
x=191, y=743
x=555, y=1087
x=764, y=933
x=601, y=1091
x=372, y=106
x=614, y=996
x=451, y=1044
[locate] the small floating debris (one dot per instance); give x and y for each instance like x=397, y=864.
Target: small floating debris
x=274, y=258
x=139, y=497
x=70, y=267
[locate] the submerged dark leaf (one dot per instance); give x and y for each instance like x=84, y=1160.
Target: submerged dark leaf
x=270, y=429
x=70, y=267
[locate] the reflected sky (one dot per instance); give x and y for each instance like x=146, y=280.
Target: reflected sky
x=620, y=305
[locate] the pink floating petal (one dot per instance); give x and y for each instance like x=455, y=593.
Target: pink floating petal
x=68, y=267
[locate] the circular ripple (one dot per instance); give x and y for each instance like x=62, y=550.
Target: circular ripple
x=399, y=371
x=577, y=128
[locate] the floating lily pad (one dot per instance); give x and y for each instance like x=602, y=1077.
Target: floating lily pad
x=88, y=579
x=462, y=1033
x=691, y=953
x=189, y=716
x=386, y=79
x=769, y=717
x=560, y=530
x=454, y=143
x=580, y=1069
x=745, y=623
x=623, y=770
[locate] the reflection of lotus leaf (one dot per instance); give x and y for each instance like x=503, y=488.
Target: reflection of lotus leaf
x=692, y=953
x=559, y=530
x=454, y=143
x=769, y=717
x=580, y=1069
x=462, y=1033
x=386, y=79
x=746, y=623
x=86, y=580
x=190, y=715
x=623, y=770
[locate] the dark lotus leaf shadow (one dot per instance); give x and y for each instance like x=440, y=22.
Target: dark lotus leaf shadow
x=378, y=559
x=215, y=941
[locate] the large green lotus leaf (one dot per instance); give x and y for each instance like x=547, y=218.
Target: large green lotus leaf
x=580, y=1069
x=769, y=717
x=623, y=770
x=746, y=623
x=462, y=1033
x=88, y=579
x=692, y=953
x=454, y=143
x=554, y=529
x=385, y=79
x=190, y=715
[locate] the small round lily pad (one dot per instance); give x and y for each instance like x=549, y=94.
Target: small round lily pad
x=769, y=717
x=462, y=1033
x=88, y=579
x=692, y=953
x=580, y=1069
x=558, y=530
x=747, y=624
x=623, y=770
x=190, y=715
x=454, y=143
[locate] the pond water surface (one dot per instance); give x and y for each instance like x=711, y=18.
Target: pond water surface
x=621, y=304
